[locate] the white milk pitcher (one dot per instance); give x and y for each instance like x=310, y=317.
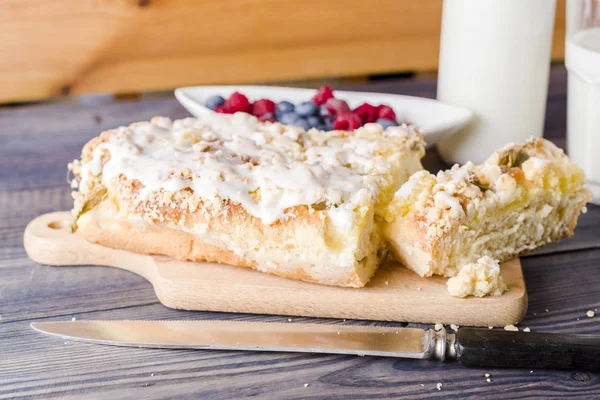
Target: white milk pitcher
x=582, y=59
x=494, y=60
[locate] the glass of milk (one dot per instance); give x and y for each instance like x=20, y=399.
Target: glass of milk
x=494, y=60
x=582, y=59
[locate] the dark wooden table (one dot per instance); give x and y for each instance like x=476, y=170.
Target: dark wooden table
x=37, y=141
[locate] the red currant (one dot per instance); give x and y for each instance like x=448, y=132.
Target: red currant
x=347, y=121
x=263, y=106
x=366, y=112
x=323, y=94
x=237, y=102
x=336, y=106
x=385, y=112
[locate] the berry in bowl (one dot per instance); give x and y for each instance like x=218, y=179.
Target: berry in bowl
x=325, y=109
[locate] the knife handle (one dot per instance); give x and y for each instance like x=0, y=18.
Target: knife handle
x=490, y=348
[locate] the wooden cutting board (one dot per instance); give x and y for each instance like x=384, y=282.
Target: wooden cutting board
x=394, y=293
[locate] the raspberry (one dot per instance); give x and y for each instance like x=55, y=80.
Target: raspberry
x=366, y=112
x=222, y=110
x=335, y=106
x=237, y=102
x=263, y=106
x=267, y=117
x=385, y=112
x=323, y=94
x=346, y=121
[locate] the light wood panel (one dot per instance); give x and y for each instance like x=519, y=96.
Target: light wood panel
x=77, y=46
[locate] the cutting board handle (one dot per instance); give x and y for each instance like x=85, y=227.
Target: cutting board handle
x=48, y=240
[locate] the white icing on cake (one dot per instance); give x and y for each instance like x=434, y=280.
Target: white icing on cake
x=446, y=200
x=265, y=167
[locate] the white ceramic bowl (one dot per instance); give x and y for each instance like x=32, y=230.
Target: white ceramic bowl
x=435, y=119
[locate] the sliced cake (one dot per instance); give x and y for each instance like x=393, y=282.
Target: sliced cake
x=231, y=189
x=523, y=197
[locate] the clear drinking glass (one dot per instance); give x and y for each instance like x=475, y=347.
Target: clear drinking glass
x=495, y=60
x=582, y=59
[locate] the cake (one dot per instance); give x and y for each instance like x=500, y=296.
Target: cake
x=231, y=189
x=478, y=279
x=523, y=197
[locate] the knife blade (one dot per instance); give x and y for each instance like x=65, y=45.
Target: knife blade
x=258, y=336
x=472, y=347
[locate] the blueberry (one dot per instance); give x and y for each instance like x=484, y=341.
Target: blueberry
x=284, y=107
x=328, y=121
x=313, y=121
x=214, y=101
x=302, y=123
x=288, y=118
x=306, y=109
x=328, y=125
x=323, y=111
x=386, y=123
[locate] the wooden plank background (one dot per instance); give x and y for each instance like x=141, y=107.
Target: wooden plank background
x=50, y=47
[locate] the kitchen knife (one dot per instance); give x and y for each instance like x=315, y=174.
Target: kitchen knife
x=472, y=347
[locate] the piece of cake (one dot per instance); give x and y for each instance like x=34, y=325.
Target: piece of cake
x=231, y=189
x=478, y=279
x=521, y=198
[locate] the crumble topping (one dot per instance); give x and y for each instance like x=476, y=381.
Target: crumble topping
x=266, y=167
x=508, y=176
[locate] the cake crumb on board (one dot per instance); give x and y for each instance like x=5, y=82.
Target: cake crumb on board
x=590, y=314
x=526, y=330
x=511, y=328
x=439, y=386
x=478, y=279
